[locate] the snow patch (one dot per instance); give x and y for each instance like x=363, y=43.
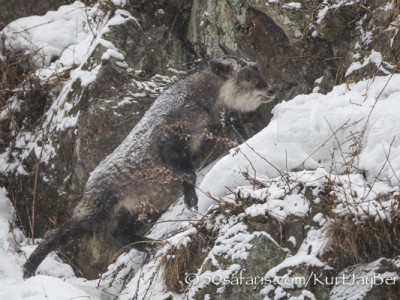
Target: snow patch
x=292, y=5
x=63, y=34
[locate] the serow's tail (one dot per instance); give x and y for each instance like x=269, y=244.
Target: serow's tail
x=69, y=232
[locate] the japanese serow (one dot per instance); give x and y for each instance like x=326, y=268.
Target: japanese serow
x=156, y=163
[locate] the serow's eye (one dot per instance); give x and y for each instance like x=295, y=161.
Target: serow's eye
x=270, y=91
x=260, y=85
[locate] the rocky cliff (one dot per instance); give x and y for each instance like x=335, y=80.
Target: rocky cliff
x=66, y=107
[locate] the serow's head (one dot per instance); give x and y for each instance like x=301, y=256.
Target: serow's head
x=244, y=89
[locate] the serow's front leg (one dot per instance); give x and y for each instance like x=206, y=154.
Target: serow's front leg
x=189, y=194
x=234, y=123
x=176, y=154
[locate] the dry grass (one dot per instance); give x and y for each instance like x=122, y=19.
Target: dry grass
x=12, y=74
x=24, y=98
x=181, y=260
x=353, y=242
x=354, y=239
x=18, y=81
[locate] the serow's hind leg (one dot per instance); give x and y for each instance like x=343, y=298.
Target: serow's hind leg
x=126, y=232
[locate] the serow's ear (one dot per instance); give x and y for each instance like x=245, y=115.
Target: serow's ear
x=221, y=68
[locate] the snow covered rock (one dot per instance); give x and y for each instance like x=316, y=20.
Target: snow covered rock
x=287, y=237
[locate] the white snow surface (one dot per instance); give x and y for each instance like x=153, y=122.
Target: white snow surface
x=121, y=3
x=375, y=57
x=292, y=5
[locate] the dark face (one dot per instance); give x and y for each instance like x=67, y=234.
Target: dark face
x=244, y=89
x=249, y=78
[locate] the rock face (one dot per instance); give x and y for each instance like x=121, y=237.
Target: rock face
x=270, y=34
x=66, y=124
